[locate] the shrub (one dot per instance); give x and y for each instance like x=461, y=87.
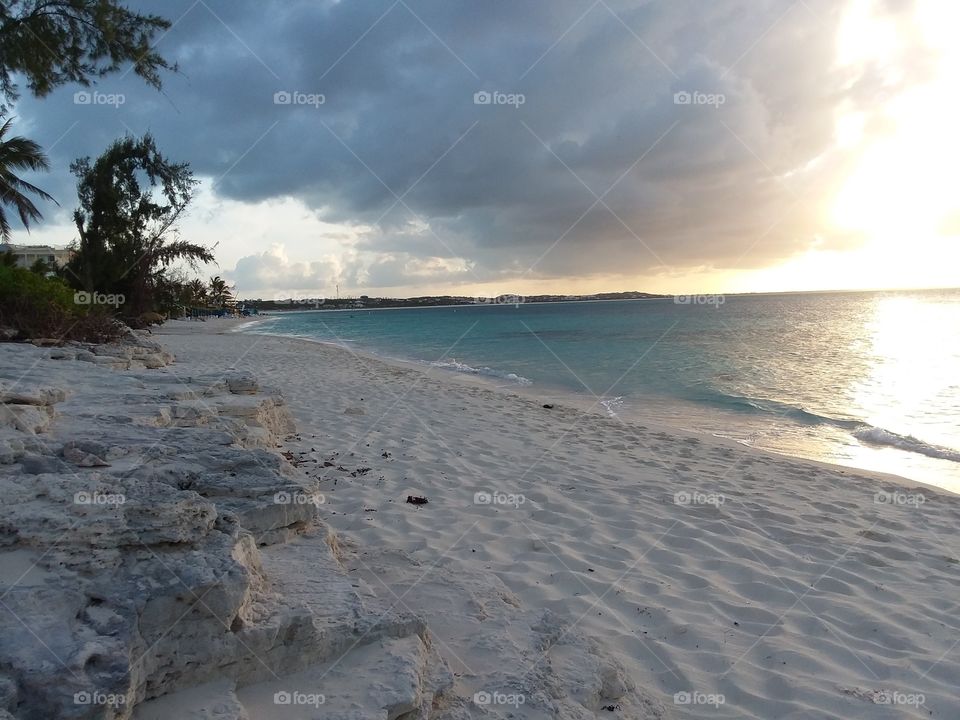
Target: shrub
x=35, y=306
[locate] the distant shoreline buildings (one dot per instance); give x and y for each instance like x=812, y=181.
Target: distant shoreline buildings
x=369, y=303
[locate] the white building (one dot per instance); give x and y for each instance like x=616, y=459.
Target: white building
x=27, y=255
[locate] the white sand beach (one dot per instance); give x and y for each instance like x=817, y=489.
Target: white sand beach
x=722, y=581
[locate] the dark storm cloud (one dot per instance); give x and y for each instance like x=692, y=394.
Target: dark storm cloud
x=598, y=170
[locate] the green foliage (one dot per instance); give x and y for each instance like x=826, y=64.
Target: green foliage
x=18, y=153
x=172, y=294
x=41, y=267
x=54, y=42
x=40, y=307
x=219, y=293
x=197, y=295
x=127, y=227
x=20, y=281
x=47, y=44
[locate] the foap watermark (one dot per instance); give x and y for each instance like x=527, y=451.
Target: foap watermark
x=685, y=498
x=692, y=697
x=483, y=497
x=295, y=697
x=295, y=97
x=715, y=300
x=895, y=697
x=485, y=697
x=94, y=97
x=98, y=298
x=699, y=98
x=515, y=300
x=96, y=497
x=483, y=97
x=298, y=498
x=95, y=697
x=897, y=497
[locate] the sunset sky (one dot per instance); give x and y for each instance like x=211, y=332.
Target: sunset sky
x=818, y=149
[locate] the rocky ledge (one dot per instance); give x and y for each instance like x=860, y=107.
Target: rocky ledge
x=137, y=503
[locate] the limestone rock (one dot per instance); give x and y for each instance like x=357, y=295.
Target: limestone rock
x=241, y=383
x=42, y=464
x=212, y=701
x=77, y=456
x=18, y=393
x=26, y=418
x=11, y=450
x=113, y=362
x=153, y=361
x=131, y=535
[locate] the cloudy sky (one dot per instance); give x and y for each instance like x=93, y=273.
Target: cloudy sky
x=409, y=147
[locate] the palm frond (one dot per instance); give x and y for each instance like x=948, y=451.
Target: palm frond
x=19, y=153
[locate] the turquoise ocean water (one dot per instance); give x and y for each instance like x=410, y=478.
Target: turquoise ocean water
x=870, y=380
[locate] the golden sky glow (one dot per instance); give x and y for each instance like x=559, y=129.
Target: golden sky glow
x=902, y=194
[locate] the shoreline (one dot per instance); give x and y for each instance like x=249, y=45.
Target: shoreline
x=541, y=393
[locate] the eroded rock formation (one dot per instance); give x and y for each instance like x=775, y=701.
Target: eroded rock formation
x=134, y=508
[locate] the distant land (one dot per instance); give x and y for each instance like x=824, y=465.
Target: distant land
x=366, y=302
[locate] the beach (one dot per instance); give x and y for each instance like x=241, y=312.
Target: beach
x=462, y=361
x=722, y=581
